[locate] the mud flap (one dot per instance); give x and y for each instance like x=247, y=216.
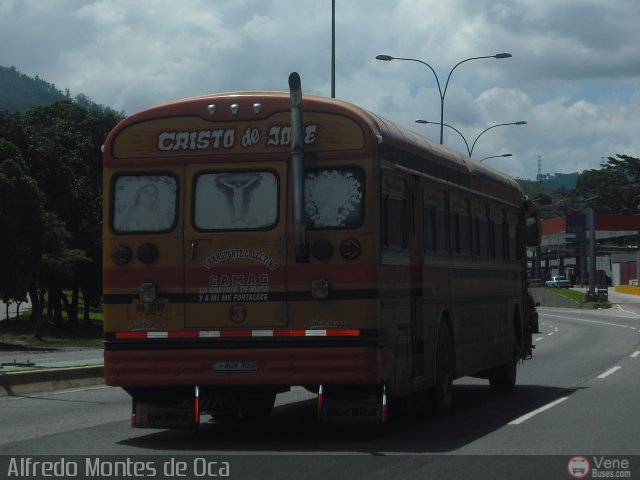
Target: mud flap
x=167, y=409
x=352, y=404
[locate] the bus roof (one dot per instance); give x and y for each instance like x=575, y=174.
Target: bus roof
x=134, y=141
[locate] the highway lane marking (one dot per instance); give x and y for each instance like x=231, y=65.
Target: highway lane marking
x=589, y=321
x=527, y=416
x=635, y=354
x=609, y=372
x=627, y=311
x=538, y=339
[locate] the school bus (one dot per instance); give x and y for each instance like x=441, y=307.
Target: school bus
x=256, y=241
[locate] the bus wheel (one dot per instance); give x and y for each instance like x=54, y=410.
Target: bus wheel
x=503, y=378
x=258, y=406
x=442, y=394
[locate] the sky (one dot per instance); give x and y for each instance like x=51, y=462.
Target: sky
x=574, y=74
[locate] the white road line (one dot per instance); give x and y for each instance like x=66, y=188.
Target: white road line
x=526, y=417
x=635, y=354
x=538, y=339
x=549, y=334
x=609, y=372
x=628, y=311
x=588, y=321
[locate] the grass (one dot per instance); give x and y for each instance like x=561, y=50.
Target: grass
x=18, y=333
x=575, y=295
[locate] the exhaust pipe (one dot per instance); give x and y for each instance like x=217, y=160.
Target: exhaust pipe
x=297, y=168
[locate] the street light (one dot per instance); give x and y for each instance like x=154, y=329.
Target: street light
x=591, y=216
x=470, y=150
x=494, y=126
x=497, y=156
x=419, y=120
x=388, y=58
x=635, y=204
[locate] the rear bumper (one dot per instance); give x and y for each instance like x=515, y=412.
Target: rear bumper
x=268, y=366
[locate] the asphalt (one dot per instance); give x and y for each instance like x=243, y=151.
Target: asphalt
x=24, y=371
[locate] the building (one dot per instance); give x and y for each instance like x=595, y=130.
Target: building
x=565, y=249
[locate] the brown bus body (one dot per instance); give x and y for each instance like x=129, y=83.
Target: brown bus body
x=411, y=271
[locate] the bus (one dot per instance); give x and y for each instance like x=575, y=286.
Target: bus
x=259, y=241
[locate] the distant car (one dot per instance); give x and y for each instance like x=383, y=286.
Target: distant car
x=559, y=281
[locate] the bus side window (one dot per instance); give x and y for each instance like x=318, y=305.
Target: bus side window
x=395, y=225
x=464, y=230
x=434, y=221
x=429, y=228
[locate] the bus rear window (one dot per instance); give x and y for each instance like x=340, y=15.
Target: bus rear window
x=144, y=203
x=246, y=200
x=334, y=198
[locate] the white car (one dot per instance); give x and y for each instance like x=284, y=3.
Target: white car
x=559, y=281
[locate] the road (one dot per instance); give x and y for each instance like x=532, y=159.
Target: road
x=578, y=396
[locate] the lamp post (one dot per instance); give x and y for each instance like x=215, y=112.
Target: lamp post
x=591, y=218
x=494, y=126
x=635, y=205
x=470, y=150
x=448, y=126
x=443, y=92
x=333, y=48
x=497, y=156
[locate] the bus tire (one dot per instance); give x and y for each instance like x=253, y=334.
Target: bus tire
x=442, y=392
x=503, y=378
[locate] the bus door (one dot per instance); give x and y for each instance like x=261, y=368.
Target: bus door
x=235, y=247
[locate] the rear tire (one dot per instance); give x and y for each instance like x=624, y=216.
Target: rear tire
x=442, y=393
x=503, y=378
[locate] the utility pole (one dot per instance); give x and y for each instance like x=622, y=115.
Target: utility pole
x=333, y=48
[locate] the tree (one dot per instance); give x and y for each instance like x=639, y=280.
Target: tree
x=614, y=186
x=65, y=157
x=21, y=215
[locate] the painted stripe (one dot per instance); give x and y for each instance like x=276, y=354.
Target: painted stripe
x=209, y=334
x=262, y=333
x=315, y=333
x=157, y=334
x=609, y=372
x=526, y=417
x=268, y=333
x=635, y=354
x=288, y=333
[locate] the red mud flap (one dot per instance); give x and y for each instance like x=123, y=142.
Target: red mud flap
x=352, y=404
x=166, y=410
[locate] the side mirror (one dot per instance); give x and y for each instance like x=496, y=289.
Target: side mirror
x=533, y=231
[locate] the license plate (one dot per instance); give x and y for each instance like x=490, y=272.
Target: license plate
x=157, y=308
x=245, y=366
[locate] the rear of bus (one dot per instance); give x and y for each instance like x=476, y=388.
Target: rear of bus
x=207, y=305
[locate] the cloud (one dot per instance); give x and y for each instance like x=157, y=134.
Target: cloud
x=574, y=75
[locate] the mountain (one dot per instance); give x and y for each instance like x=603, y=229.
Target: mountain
x=560, y=181
x=18, y=92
